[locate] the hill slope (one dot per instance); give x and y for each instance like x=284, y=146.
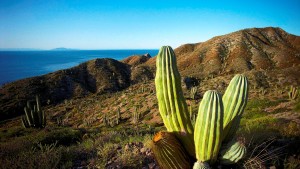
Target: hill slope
x=257, y=48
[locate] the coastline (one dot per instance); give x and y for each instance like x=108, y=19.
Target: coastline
x=17, y=65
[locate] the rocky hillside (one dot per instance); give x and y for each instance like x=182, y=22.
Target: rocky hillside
x=257, y=50
x=244, y=50
x=96, y=76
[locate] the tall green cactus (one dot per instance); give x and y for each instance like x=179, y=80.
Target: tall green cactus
x=234, y=100
x=171, y=102
x=208, y=127
x=34, y=116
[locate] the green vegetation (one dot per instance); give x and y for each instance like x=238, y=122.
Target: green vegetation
x=63, y=147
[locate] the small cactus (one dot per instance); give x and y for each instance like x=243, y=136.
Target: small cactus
x=263, y=91
x=34, y=116
x=105, y=120
x=293, y=93
x=192, y=115
x=193, y=92
x=233, y=152
x=136, y=116
x=118, y=116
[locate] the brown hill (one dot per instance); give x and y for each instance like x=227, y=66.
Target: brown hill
x=96, y=76
x=257, y=49
x=136, y=59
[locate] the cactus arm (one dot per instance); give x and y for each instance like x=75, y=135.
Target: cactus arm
x=208, y=127
x=232, y=153
x=171, y=102
x=39, y=111
x=234, y=100
x=25, y=122
x=28, y=116
x=38, y=103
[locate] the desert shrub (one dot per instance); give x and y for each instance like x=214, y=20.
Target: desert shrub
x=13, y=132
x=293, y=162
x=297, y=106
x=33, y=158
x=130, y=158
x=291, y=129
x=258, y=129
x=105, y=152
x=64, y=136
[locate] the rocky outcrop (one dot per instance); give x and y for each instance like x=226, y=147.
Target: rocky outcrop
x=137, y=59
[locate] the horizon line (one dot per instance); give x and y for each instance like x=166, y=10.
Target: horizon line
x=71, y=49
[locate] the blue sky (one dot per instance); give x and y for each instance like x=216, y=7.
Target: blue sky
x=128, y=24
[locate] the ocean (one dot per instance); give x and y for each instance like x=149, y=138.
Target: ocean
x=15, y=65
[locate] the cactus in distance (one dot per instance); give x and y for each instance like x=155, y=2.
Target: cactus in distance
x=34, y=116
x=293, y=93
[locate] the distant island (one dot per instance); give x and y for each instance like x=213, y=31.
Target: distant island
x=62, y=48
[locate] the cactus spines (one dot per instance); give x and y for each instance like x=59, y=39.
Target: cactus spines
x=34, y=117
x=234, y=100
x=171, y=102
x=201, y=165
x=208, y=127
x=169, y=152
x=293, y=93
x=233, y=152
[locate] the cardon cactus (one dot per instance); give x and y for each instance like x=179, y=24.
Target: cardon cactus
x=234, y=101
x=208, y=127
x=171, y=102
x=217, y=121
x=34, y=116
x=233, y=152
x=169, y=152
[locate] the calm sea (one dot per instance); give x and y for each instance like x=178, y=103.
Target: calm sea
x=15, y=65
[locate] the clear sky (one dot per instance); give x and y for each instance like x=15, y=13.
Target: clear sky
x=129, y=24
